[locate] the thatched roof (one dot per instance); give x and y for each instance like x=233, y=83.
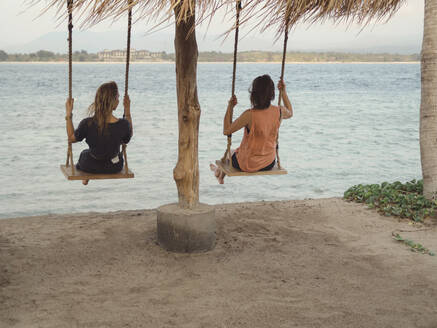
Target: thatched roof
x=261, y=13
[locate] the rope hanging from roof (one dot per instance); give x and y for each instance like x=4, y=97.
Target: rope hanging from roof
x=234, y=73
x=126, y=77
x=70, y=73
x=284, y=54
x=129, y=27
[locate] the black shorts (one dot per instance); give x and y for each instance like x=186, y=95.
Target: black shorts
x=90, y=164
x=237, y=166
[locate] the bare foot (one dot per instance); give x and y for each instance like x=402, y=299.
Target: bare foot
x=85, y=182
x=219, y=174
x=215, y=169
x=221, y=177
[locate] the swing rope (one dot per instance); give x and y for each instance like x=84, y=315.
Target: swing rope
x=126, y=79
x=234, y=73
x=70, y=75
x=129, y=27
x=284, y=54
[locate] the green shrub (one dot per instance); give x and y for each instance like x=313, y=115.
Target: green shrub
x=398, y=199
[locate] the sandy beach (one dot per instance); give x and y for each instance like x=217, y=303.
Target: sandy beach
x=310, y=263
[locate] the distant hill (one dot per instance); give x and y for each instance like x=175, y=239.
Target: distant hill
x=92, y=42
x=208, y=56
x=97, y=41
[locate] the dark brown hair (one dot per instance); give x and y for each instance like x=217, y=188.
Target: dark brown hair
x=262, y=92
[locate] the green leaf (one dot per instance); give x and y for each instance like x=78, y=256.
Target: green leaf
x=398, y=237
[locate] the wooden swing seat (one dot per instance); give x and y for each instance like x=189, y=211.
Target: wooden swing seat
x=233, y=172
x=81, y=175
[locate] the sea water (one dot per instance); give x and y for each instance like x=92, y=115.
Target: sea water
x=352, y=123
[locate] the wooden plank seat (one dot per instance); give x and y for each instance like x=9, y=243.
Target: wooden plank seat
x=233, y=172
x=81, y=175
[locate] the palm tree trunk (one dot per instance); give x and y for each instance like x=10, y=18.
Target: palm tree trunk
x=186, y=172
x=428, y=106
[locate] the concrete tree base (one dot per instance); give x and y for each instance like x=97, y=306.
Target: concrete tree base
x=186, y=230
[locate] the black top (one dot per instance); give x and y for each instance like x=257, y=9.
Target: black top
x=106, y=146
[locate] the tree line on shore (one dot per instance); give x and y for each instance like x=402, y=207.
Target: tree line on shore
x=213, y=56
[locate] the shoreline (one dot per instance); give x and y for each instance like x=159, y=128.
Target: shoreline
x=116, y=212
x=207, y=62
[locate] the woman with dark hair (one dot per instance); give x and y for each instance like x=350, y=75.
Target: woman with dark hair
x=103, y=132
x=257, y=151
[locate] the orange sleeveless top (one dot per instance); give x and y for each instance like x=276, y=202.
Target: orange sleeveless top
x=258, y=147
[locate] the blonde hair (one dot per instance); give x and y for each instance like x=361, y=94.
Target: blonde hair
x=104, y=103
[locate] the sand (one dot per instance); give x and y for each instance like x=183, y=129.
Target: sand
x=310, y=263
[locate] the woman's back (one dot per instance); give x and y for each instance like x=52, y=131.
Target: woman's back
x=258, y=147
x=106, y=145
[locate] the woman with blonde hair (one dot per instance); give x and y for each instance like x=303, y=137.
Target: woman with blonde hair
x=102, y=131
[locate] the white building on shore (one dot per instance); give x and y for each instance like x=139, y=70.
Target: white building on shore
x=135, y=55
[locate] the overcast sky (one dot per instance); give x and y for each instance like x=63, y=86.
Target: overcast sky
x=18, y=26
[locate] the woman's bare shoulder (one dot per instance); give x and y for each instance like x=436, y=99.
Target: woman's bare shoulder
x=246, y=113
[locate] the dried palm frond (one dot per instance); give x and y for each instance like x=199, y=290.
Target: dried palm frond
x=265, y=14
x=283, y=14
